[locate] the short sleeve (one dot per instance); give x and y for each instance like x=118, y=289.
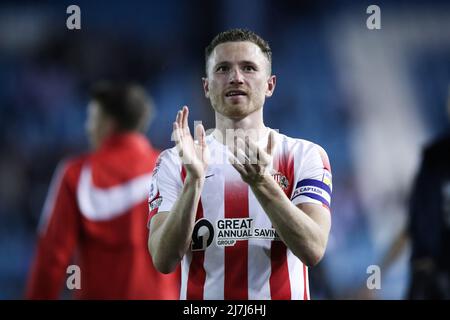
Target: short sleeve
x=166, y=184
x=313, y=179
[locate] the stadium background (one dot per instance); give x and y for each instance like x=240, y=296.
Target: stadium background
x=371, y=98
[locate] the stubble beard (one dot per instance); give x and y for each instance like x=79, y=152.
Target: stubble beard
x=233, y=111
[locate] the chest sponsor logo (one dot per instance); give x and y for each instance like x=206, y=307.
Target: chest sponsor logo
x=227, y=232
x=202, y=235
x=231, y=230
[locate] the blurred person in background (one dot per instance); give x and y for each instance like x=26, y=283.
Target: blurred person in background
x=95, y=212
x=429, y=225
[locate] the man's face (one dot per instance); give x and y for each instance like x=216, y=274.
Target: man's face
x=98, y=124
x=238, y=79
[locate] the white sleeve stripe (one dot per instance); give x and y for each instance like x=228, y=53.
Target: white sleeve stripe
x=100, y=204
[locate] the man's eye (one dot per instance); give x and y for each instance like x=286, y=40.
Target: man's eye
x=222, y=68
x=249, y=68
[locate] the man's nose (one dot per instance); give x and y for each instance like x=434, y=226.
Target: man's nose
x=236, y=76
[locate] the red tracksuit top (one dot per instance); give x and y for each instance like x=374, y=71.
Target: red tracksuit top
x=95, y=217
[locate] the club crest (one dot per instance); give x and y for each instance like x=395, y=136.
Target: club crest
x=282, y=181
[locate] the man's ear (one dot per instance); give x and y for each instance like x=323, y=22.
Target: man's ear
x=206, y=87
x=271, y=83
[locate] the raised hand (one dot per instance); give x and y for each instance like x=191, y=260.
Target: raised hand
x=194, y=154
x=252, y=162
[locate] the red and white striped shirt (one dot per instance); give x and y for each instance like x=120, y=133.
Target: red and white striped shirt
x=235, y=252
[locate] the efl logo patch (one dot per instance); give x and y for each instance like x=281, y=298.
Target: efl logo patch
x=326, y=178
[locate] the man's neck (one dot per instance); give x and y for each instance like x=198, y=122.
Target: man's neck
x=252, y=125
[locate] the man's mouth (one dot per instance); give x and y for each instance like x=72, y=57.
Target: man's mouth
x=233, y=93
